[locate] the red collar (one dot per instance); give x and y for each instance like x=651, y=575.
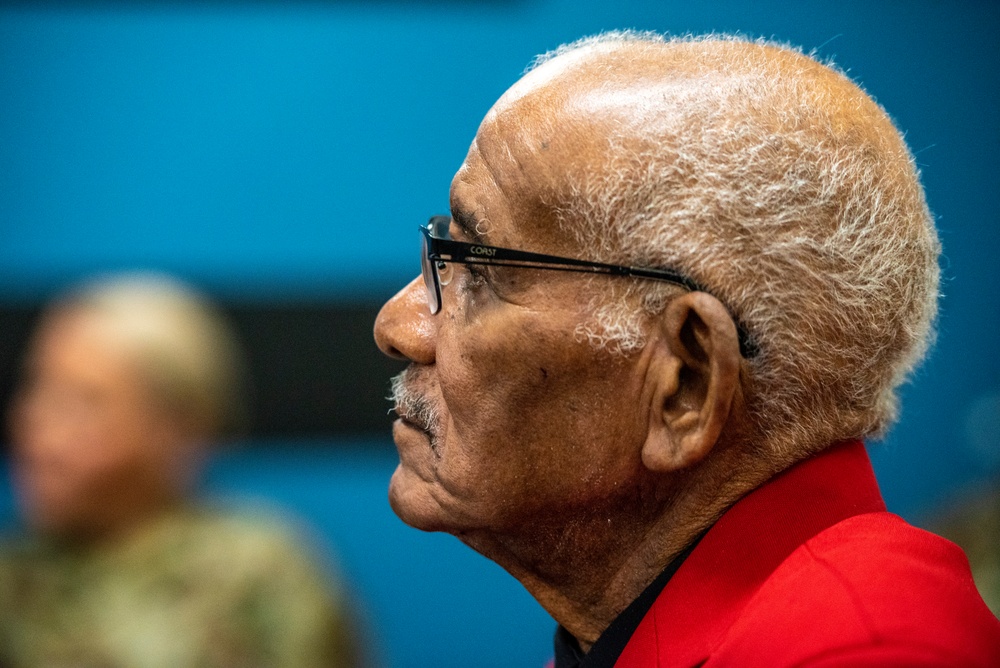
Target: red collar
x=747, y=544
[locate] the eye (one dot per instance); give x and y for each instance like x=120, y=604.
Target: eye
x=445, y=272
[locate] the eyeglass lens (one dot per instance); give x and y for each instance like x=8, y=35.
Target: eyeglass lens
x=429, y=272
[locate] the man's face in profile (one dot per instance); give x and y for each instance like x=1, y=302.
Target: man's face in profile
x=508, y=415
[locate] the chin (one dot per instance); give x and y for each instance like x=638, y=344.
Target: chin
x=412, y=501
x=49, y=524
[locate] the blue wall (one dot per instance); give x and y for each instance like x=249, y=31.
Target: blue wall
x=269, y=150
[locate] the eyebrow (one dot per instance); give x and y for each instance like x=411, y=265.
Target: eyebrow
x=468, y=224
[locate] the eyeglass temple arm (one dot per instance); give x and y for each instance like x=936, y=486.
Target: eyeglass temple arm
x=449, y=250
x=457, y=251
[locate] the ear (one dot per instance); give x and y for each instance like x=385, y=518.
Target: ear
x=694, y=372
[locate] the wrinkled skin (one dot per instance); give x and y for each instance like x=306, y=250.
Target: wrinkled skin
x=577, y=470
x=501, y=362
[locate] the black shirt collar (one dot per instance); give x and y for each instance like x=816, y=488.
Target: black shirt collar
x=609, y=646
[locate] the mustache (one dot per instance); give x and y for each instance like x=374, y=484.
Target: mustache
x=410, y=405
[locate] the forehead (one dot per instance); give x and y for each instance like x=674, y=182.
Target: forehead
x=498, y=195
x=76, y=344
x=71, y=329
x=523, y=164
x=565, y=125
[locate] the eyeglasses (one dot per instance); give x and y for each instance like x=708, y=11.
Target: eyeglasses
x=439, y=250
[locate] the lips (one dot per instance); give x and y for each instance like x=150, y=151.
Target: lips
x=411, y=419
x=413, y=408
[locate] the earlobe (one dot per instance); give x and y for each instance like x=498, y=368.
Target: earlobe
x=694, y=374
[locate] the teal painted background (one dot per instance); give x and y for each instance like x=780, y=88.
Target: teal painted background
x=270, y=150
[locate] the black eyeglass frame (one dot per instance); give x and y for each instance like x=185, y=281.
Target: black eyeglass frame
x=438, y=250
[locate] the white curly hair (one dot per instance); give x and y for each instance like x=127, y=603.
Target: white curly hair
x=778, y=184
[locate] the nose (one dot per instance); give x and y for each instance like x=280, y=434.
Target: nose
x=405, y=328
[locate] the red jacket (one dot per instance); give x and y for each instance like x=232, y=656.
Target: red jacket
x=809, y=570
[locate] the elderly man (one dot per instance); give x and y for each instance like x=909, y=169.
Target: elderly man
x=680, y=282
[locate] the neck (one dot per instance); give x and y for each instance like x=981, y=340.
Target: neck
x=585, y=567
x=116, y=524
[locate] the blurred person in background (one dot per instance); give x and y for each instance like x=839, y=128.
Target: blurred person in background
x=126, y=384
x=973, y=522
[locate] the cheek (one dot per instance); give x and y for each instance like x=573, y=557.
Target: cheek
x=535, y=412
x=492, y=385
x=70, y=455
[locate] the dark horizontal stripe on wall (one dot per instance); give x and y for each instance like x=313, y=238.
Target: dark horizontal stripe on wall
x=194, y=4
x=314, y=368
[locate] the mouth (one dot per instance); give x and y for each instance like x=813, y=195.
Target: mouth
x=410, y=420
x=426, y=432
x=414, y=409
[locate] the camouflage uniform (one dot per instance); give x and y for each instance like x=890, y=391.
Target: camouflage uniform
x=974, y=524
x=197, y=587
